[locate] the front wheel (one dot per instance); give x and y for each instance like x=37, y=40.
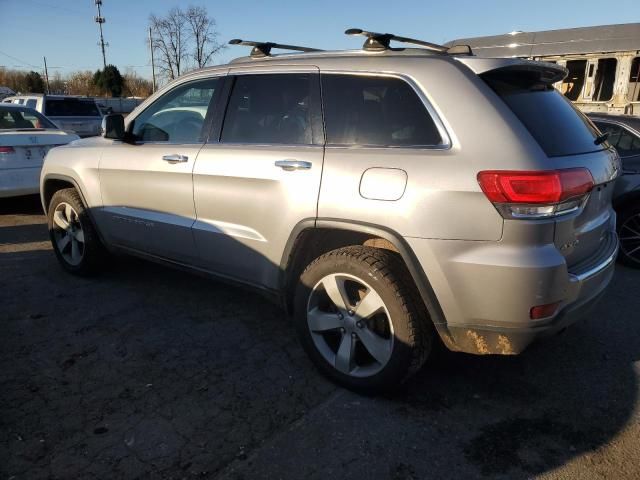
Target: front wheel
x=74, y=239
x=360, y=318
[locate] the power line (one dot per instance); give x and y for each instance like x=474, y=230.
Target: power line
x=56, y=7
x=20, y=61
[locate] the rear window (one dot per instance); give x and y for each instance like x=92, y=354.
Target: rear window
x=71, y=107
x=558, y=127
x=18, y=118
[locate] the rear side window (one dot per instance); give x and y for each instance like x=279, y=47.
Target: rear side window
x=375, y=111
x=71, y=107
x=270, y=109
x=31, y=103
x=558, y=127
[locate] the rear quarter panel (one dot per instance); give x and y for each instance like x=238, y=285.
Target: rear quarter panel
x=443, y=199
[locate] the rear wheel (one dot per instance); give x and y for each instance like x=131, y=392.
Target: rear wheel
x=73, y=237
x=629, y=235
x=360, y=319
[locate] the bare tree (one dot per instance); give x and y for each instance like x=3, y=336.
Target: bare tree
x=183, y=40
x=203, y=34
x=57, y=83
x=136, y=86
x=169, y=39
x=81, y=83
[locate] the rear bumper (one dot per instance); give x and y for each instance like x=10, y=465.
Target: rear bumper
x=486, y=309
x=513, y=340
x=19, y=181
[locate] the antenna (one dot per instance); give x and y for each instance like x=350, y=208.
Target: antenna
x=263, y=49
x=99, y=19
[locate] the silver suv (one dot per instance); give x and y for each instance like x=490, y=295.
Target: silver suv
x=386, y=197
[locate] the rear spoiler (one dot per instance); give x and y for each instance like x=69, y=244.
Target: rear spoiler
x=548, y=72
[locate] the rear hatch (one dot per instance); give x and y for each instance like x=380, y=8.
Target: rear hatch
x=569, y=141
x=28, y=147
x=80, y=115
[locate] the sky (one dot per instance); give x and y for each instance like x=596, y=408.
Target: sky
x=65, y=32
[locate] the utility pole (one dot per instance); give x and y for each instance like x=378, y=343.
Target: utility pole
x=46, y=75
x=100, y=20
x=153, y=65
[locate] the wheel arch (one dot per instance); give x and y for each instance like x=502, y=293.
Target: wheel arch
x=328, y=232
x=53, y=182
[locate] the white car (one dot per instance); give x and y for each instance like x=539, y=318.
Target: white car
x=25, y=138
x=78, y=114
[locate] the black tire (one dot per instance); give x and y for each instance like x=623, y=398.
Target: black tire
x=412, y=330
x=628, y=225
x=93, y=252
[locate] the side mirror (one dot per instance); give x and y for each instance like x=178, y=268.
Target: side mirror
x=113, y=127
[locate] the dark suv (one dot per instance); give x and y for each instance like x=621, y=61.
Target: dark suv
x=624, y=134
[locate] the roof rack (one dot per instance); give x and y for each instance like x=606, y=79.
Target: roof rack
x=263, y=49
x=377, y=42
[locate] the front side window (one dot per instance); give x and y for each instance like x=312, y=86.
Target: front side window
x=270, y=109
x=31, y=103
x=179, y=115
x=375, y=111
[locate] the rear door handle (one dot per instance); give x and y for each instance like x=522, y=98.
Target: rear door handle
x=290, y=165
x=175, y=158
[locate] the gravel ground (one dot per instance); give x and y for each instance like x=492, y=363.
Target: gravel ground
x=147, y=372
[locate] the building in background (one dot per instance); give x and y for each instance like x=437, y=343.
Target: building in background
x=603, y=62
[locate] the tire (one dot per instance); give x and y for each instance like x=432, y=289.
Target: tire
x=400, y=334
x=629, y=235
x=77, y=246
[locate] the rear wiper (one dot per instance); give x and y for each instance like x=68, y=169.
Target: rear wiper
x=601, y=139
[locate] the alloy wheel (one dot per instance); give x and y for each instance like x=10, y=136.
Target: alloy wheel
x=68, y=233
x=630, y=237
x=350, y=325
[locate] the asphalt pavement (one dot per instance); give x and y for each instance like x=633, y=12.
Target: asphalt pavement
x=148, y=372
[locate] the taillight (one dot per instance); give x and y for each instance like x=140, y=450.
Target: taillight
x=543, y=311
x=7, y=150
x=536, y=194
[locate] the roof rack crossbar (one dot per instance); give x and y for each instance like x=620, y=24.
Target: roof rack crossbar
x=263, y=49
x=377, y=42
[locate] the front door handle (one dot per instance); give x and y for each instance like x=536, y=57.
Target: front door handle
x=290, y=165
x=175, y=158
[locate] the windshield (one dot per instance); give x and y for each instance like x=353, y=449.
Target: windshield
x=22, y=118
x=71, y=107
